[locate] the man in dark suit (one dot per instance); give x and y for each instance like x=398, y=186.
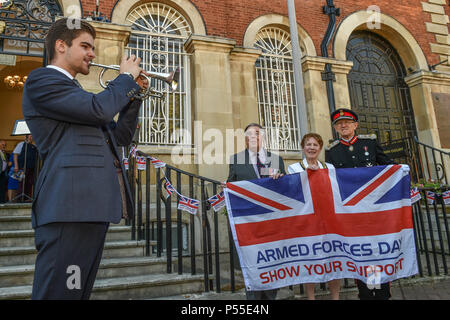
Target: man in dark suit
x=353, y=151
x=82, y=185
x=253, y=163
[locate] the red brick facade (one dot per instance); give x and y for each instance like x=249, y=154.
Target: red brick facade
x=230, y=18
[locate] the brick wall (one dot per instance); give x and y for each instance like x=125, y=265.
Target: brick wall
x=230, y=18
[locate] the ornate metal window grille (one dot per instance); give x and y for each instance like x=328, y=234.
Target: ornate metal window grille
x=24, y=25
x=276, y=89
x=378, y=91
x=158, y=35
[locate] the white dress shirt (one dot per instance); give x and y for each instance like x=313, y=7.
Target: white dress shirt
x=61, y=70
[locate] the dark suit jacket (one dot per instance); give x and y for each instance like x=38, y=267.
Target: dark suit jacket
x=240, y=167
x=78, y=181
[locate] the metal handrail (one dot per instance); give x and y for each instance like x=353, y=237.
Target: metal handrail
x=144, y=219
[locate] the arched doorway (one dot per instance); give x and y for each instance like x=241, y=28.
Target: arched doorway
x=378, y=91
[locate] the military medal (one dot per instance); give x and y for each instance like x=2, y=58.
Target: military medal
x=350, y=148
x=366, y=153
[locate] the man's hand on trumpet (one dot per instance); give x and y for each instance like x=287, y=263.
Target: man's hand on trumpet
x=131, y=65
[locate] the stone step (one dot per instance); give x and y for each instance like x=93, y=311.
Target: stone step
x=27, y=255
x=282, y=294
x=22, y=275
x=15, y=209
x=127, y=288
x=8, y=223
x=146, y=287
x=24, y=238
x=23, y=222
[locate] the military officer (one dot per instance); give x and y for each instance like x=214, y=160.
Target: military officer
x=352, y=151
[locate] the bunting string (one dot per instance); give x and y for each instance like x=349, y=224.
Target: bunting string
x=187, y=204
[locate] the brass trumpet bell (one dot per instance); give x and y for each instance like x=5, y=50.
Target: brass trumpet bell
x=170, y=78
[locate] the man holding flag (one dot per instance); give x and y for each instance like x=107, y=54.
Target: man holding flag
x=352, y=151
x=254, y=163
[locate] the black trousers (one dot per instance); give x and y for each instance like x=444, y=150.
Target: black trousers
x=383, y=293
x=69, y=255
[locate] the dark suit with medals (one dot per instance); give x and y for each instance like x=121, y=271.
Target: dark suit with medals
x=359, y=151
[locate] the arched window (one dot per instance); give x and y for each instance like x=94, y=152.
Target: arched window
x=158, y=34
x=276, y=89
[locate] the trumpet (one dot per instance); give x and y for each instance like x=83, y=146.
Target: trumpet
x=170, y=78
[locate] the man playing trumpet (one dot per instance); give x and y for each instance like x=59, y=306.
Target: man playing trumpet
x=82, y=186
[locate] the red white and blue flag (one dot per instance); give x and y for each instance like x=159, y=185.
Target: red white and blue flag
x=446, y=197
x=188, y=204
x=169, y=188
x=217, y=201
x=430, y=197
x=415, y=195
x=320, y=225
x=156, y=162
x=141, y=163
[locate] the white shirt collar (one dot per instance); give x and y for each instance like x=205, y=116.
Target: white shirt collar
x=61, y=70
x=261, y=154
x=348, y=139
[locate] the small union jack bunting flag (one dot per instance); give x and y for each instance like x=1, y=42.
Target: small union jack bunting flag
x=430, y=197
x=217, y=201
x=446, y=197
x=169, y=188
x=140, y=163
x=156, y=162
x=415, y=195
x=133, y=151
x=125, y=163
x=188, y=204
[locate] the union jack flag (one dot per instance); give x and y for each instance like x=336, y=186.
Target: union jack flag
x=133, y=151
x=275, y=220
x=415, y=195
x=169, y=188
x=125, y=163
x=156, y=162
x=188, y=204
x=140, y=161
x=446, y=197
x=430, y=197
x=217, y=201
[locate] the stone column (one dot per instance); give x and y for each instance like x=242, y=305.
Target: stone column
x=212, y=105
x=244, y=93
x=316, y=92
x=423, y=85
x=427, y=88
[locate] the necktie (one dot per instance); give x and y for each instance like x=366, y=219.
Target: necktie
x=3, y=164
x=259, y=165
